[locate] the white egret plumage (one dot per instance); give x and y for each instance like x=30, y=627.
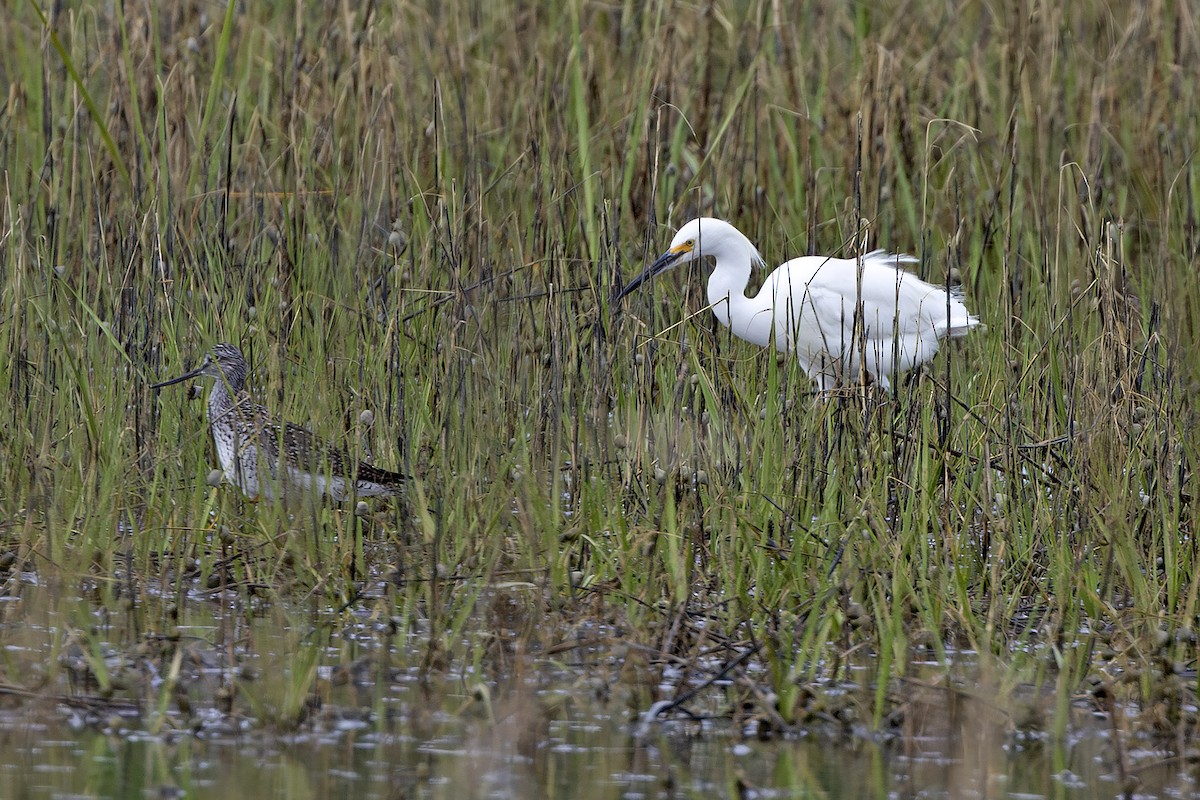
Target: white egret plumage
x=807, y=306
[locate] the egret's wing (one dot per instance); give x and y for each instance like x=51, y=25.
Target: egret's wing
x=897, y=303
x=827, y=317
x=814, y=302
x=814, y=305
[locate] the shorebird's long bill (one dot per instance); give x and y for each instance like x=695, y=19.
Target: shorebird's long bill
x=183, y=377
x=660, y=265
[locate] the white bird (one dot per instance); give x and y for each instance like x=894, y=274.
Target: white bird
x=807, y=305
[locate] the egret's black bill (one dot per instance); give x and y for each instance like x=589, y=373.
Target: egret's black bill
x=660, y=265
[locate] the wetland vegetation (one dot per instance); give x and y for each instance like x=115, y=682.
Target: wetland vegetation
x=624, y=533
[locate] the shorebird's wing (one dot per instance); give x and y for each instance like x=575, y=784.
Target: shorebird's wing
x=309, y=454
x=385, y=479
x=320, y=457
x=309, y=458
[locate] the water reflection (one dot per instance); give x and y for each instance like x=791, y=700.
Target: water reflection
x=376, y=728
x=595, y=758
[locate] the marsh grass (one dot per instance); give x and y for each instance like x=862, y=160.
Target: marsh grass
x=422, y=211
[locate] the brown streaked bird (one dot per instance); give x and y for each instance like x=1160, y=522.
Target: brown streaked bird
x=248, y=437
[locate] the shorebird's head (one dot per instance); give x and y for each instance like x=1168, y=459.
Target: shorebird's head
x=224, y=362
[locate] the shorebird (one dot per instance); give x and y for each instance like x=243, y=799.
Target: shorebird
x=249, y=438
x=808, y=305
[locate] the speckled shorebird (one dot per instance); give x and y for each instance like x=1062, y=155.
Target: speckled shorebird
x=248, y=437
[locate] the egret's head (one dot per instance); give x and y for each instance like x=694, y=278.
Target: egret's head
x=686, y=244
x=704, y=236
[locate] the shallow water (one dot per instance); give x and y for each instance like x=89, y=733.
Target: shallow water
x=592, y=759
x=384, y=727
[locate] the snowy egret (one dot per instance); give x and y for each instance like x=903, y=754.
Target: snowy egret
x=807, y=305
x=248, y=437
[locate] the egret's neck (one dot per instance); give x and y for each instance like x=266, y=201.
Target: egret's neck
x=750, y=318
x=727, y=290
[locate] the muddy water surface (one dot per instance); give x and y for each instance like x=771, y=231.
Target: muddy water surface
x=270, y=704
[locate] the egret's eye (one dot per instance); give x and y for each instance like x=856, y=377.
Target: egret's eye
x=689, y=244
